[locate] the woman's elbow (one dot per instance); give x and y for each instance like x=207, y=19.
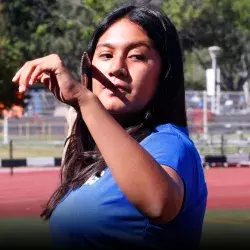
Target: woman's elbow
x=165, y=210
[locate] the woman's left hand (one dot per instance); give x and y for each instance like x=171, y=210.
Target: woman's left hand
x=51, y=71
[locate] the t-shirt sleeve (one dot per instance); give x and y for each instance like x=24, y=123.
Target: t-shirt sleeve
x=168, y=149
x=175, y=152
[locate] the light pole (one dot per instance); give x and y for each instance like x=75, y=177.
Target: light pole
x=214, y=52
x=5, y=130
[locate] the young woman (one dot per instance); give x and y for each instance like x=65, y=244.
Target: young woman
x=131, y=176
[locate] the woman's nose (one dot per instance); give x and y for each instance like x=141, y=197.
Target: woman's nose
x=118, y=67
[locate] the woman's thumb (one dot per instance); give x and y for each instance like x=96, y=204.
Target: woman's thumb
x=85, y=69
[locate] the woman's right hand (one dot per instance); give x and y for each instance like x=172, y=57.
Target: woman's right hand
x=51, y=71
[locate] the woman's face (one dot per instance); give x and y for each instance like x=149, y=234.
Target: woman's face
x=125, y=57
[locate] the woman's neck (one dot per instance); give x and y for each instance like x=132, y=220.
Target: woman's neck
x=127, y=120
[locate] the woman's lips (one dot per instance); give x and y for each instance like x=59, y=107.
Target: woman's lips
x=123, y=88
x=121, y=85
x=117, y=92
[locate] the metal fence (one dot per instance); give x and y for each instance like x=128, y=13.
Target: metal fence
x=44, y=123
x=44, y=103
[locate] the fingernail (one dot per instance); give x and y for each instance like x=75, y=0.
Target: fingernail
x=21, y=88
x=85, y=63
x=30, y=82
x=14, y=78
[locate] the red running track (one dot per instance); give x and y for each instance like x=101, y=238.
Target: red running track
x=24, y=193
x=228, y=188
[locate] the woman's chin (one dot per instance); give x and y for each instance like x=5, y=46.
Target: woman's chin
x=115, y=106
x=117, y=111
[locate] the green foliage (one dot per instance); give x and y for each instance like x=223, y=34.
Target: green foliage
x=224, y=23
x=8, y=62
x=242, y=7
x=35, y=28
x=194, y=71
x=19, y=22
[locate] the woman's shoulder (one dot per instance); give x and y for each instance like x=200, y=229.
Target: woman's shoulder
x=171, y=145
x=171, y=128
x=169, y=133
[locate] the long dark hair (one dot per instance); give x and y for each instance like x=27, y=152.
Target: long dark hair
x=82, y=158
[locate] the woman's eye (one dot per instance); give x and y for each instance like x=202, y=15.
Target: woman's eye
x=138, y=57
x=106, y=56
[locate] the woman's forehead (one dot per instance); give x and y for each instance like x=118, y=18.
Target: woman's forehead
x=124, y=32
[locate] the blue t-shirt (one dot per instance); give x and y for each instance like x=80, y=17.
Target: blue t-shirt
x=99, y=216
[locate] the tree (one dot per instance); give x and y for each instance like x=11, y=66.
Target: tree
x=35, y=28
x=19, y=23
x=78, y=19
x=205, y=23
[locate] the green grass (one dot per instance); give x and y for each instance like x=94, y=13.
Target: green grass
x=24, y=233
x=56, y=151
x=31, y=151
x=40, y=145
x=227, y=229
x=221, y=228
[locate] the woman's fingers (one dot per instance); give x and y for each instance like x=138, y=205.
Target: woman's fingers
x=17, y=75
x=38, y=71
x=23, y=75
x=26, y=65
x=19, y=72
x=50, y=70
x=45, y=78
x=21, y=88
x=27, y=75
x=16, y=79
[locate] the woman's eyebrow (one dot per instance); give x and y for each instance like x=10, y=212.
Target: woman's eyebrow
x=130, y=45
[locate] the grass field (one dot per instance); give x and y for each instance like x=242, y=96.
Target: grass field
x=51, y=145
x=24, y=232
x=227, y=229
x=221, y=228
x=31, y=151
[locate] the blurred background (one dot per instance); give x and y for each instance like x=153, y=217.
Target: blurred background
x=214, y=35
x=215, y=39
